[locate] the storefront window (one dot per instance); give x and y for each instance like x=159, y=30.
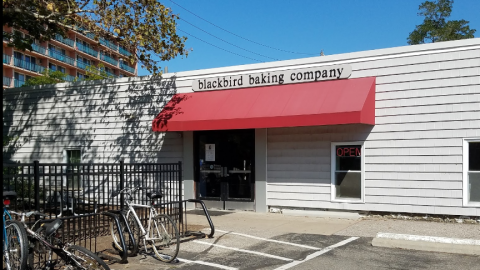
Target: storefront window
x=347, y=171
x=472, y=171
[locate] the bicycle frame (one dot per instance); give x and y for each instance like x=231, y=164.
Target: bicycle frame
x=152, y=213
x=61, y=250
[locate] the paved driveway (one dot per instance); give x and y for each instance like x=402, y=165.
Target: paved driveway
x=253, y=241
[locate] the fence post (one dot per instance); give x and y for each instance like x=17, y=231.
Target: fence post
x=122, y=183
x=36, y=185
x=180, y=202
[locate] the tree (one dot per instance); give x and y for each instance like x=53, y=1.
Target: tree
x=144, y=26
x=48, y=77
x=435, y=27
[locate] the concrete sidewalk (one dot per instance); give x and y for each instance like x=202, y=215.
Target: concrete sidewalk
x=343, y=224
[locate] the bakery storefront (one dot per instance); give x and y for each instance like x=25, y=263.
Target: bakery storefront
x=390, y=130
x=224, y=112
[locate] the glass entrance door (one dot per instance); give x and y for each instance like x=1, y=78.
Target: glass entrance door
x=225, y=168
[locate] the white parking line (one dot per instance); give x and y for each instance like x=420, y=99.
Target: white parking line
x=316, y=254
x=244, y=250
x=208, y=264
x=270, y=240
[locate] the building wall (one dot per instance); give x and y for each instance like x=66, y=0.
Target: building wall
x=107, y=122
x=427, y=102
x=425, y=106
x=67, y=59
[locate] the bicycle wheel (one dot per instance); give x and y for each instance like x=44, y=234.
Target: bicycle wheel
x=15, y=245
x=85, y=258
x=164, y=238
x=132, y=249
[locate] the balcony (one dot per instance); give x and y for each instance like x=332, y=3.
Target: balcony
x=18, y=83
x=39, y=49
x=7, y=81
x=61, y=57
x=108, y=44
x=70, y=78
x=82, y=65
x=111, y=75
x=7, y=59
x=123, y=51
x=27, y=65
x=87, y=50
x=63, y=40
x=109, y=59
x=127, y=68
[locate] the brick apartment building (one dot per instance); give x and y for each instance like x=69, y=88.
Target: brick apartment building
x=70, y=55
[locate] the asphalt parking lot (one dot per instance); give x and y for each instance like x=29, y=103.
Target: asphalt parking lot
x=257, y=243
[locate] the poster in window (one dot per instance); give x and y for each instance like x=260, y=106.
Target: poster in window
x=210, y=152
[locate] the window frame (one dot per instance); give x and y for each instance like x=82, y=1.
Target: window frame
x=333, y=164
x=465, y=156
x=65, y=160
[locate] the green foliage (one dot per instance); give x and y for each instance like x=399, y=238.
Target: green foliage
x=145, y=27
x=435, y=26
x=48, y=77
x=96, y=72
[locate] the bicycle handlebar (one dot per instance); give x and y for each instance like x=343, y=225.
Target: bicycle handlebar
x=27, y=214
x=128, y=190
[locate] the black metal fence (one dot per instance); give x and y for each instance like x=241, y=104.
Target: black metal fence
x=78, y=193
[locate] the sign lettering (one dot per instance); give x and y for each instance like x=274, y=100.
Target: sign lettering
x=312, y=74
x=349, y=151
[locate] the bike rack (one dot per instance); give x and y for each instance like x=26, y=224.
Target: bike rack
x=124, y=254
x=207, y=215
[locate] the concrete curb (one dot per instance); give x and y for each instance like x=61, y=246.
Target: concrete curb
x=427, y=243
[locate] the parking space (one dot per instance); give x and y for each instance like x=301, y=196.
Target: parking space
x=233, y=250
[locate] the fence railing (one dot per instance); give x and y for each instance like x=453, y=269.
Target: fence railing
x=39, y=49
x=61, y=57
x=63, y=40
x=127, y=68
x=87, y=49
x=109, y=59
x=28, y=65
x=7, y=81
x=78, y=193
x=7, y=59
x=109, y=44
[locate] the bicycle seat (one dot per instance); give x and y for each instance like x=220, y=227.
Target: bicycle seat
x=52, y=227
x=154, y=195
x=9, y=195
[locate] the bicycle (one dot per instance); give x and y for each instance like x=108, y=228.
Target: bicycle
x=161, y=232
x=15, y=243
x=45, y=243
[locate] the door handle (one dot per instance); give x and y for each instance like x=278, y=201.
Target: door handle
x=225, y=172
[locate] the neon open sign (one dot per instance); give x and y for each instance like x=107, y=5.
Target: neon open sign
x=349, y=151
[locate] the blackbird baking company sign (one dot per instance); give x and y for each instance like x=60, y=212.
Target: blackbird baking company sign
x=312, y=74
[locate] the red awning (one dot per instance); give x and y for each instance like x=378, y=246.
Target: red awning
x=350, y=101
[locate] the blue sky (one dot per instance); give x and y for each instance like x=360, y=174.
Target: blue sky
x=269, y=30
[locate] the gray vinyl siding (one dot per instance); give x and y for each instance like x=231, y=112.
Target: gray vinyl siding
x=95, y=118
x=425, y=107
x=427, y=102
